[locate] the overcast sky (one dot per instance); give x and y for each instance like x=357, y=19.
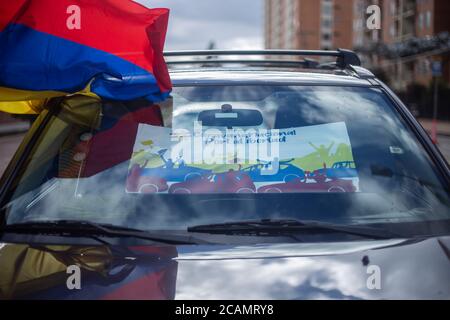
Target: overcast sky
x=231, y=24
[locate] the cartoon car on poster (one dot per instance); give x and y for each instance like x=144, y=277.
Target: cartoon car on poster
x=339, y=170
x=227, y=182
x=281, y=171
x=139, y=183
x=315, y=181
x=297, y=186
x=173, y=170
x=343, y=169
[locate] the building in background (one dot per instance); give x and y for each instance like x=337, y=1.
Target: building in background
x=308, y=24
x=362, y=36
x=410, y=24
x=327, y=24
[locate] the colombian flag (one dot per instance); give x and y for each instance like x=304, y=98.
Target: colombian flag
x=111, y=49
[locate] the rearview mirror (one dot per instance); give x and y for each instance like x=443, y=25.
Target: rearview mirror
x=229, y=117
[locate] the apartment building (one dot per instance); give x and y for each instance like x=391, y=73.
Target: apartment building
x=326, y=24
x=402, y=21
x=432, y=17
x=308, y=24
x=364, y=37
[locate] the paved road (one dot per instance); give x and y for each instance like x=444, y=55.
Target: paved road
x=444, y=146
x=8, y=145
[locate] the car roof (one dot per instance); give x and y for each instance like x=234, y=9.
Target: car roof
x=209, y=67
x=248, y=76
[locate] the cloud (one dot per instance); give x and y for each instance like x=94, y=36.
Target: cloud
x=231, y=24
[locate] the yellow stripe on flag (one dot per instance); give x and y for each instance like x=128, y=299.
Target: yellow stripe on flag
x=22, y=107
x=8, y=94
x=31, y=102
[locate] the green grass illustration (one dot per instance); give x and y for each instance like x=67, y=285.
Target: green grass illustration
x=309, y=162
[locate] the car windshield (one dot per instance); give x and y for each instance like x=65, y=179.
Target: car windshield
x=211, y=154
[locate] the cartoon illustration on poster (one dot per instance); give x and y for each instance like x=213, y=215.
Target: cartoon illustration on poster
x=304, y=159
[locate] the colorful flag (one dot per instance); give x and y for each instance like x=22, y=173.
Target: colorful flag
x=112, y=49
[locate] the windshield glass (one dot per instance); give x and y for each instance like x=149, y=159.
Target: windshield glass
x=211, y=154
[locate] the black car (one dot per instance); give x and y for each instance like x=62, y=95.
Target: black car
x=131, y=200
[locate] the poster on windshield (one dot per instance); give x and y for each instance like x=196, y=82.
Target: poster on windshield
x=303, y=159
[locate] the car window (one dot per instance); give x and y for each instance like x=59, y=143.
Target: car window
x=210, y=154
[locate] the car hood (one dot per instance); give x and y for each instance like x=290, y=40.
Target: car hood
x=391, y=269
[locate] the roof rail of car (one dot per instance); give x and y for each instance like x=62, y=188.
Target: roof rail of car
x=254, y=63
x=344, y=58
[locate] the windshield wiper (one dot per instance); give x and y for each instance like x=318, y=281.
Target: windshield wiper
x=90, y=229
x=272, y=227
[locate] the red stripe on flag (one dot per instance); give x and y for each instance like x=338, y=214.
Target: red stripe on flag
x=120, y=27
x=9, y=11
